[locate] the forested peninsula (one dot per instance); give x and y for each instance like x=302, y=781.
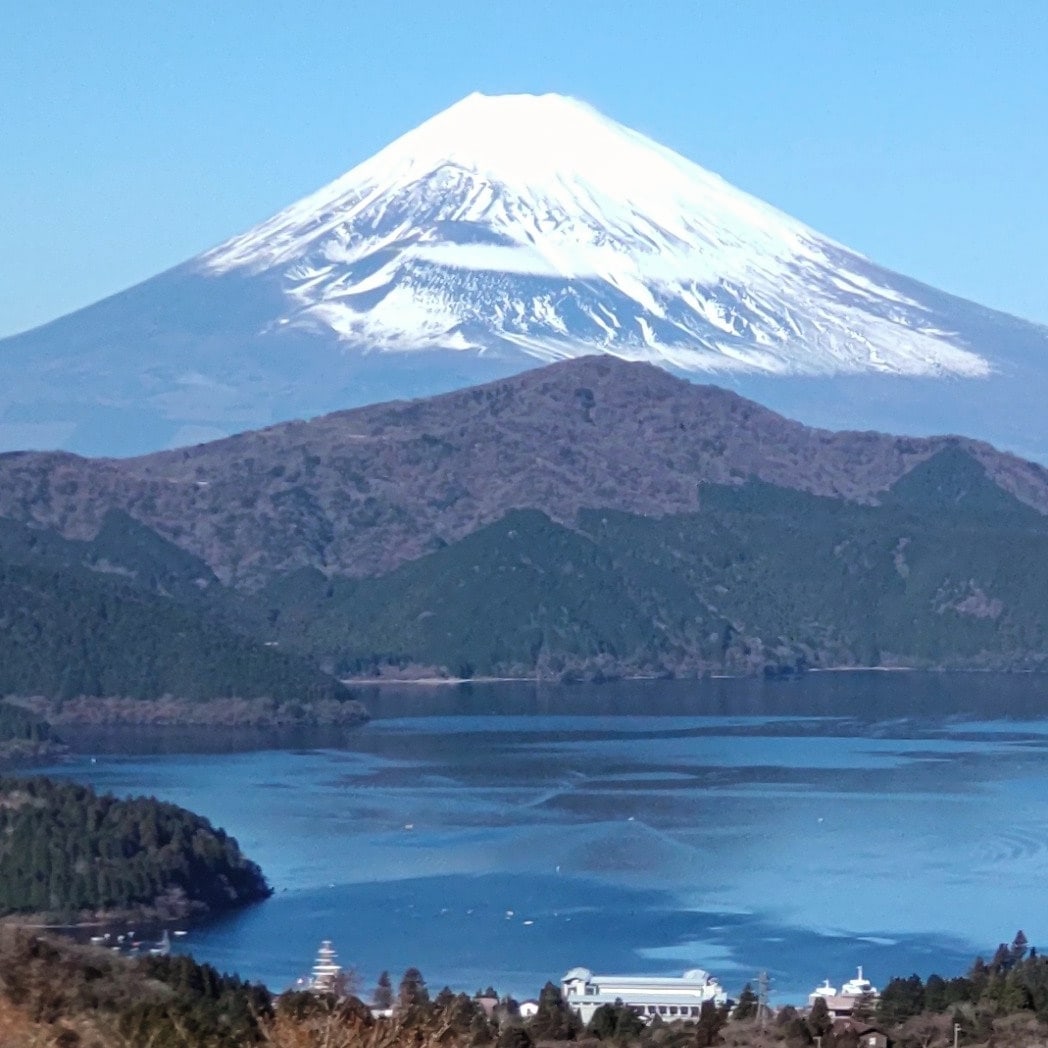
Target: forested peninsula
x=68, y=853
x=125, y=627
x=65, y=636
x=26, y=737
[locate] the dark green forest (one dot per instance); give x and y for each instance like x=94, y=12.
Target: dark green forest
x=123, y=549
x=947, y=570
x=65, y=850
x=129, y=615
x=25, y=736
x=63, y=635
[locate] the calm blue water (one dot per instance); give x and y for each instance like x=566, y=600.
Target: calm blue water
x=502, y=834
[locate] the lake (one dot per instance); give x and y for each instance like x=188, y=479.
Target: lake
x=504, y=833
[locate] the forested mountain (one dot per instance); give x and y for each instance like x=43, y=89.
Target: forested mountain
x=65, y=635
x=947, y=570
x=66, y=850
x=591, y=518
x=121, y=549
x=128, y=615
x=358, y=493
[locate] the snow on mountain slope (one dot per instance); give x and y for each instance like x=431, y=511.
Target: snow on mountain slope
x=538, y=223
x=500, y=234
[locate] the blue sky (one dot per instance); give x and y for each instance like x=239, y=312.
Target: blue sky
x=133, y=136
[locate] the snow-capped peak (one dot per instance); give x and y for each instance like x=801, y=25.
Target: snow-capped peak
x=546, y=149
x=535, y=222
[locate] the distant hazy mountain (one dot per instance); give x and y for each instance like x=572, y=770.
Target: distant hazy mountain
x=593, y=516
x=504, y=233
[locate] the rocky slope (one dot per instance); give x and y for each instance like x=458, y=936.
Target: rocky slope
x=593, y=517
x=360, y=492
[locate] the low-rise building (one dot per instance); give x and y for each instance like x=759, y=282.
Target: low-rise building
x=864, y=1034
x=666, y=996
x=853, y=995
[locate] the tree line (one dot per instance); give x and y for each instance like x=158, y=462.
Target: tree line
x=65, y=635
x=66, y=850
x=24, y=736
x=73, y=995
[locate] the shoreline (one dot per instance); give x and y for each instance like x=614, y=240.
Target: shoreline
x=39, y=922
x=885, y=669
x=161, y=917
x=231, y=713
x=437, y=682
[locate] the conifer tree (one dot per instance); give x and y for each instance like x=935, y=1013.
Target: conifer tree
x=746, y=1006
x=382, y=998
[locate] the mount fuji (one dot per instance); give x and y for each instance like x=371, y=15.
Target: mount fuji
x=504, y=233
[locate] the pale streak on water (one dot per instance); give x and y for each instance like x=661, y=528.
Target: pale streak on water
x=899, y=821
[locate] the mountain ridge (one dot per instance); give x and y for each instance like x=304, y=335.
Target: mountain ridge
x=504, y=233
x=590, y=518
x=546, y=187
x=363, y=491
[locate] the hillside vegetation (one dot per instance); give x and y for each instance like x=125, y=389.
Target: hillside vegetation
x=55, y=994
x=63, y=636
x=948, y=570
x=593, y=518
x=66, y=851
x=127, y=615
x=59, y=995
x=359, y=493
x=24, y=736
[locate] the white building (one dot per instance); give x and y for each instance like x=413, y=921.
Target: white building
x=842, y=1004
x=648, y=996
x=326, y=970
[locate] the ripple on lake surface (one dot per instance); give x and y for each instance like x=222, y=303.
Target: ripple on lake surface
x=736, y=825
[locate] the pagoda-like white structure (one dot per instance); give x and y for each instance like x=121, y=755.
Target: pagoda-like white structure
x=326, y=971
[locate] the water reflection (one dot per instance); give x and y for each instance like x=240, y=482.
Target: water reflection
x=803, y=826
